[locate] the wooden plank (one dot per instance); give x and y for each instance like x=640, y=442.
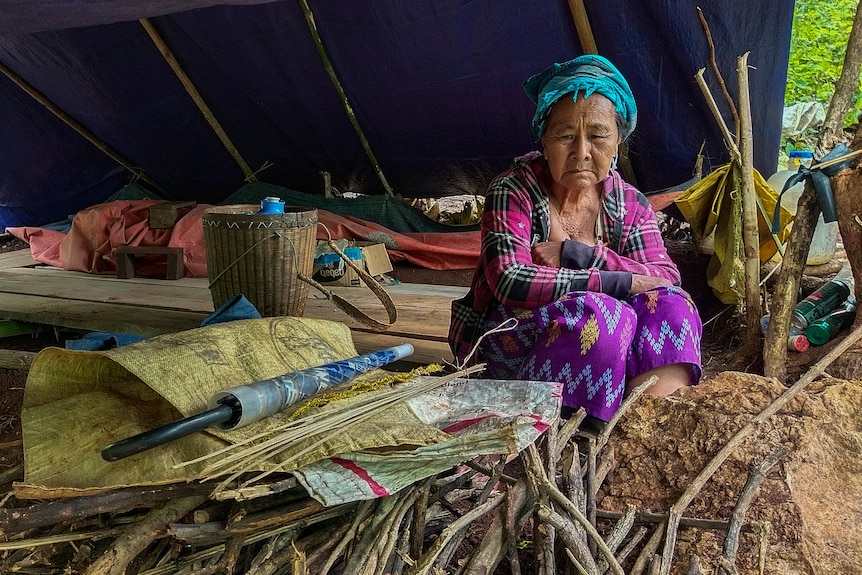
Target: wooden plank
x=149, y=307
x=97, y=316
x=17, y=259
x=15, y=359
x=423, y=310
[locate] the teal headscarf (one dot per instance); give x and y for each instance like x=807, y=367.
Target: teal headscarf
x=589, y=73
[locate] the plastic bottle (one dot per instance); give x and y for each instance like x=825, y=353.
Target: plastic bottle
x=796, y=341
x=827, y=298
x=825, y=236
x=828, y=327
x=271, y=205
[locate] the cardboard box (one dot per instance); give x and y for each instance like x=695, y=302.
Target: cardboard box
x=330, y=269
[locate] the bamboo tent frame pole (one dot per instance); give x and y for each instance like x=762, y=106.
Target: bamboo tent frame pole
x=197, y=98
x=750, y=234
x=582, y=25
x=588, y=43
x=327, y=64
x=79, y=128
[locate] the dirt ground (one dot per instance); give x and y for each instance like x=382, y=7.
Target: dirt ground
x=722, y=339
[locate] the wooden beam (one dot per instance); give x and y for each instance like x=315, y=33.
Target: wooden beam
x=78, y=127
x=582, y=25
x=197, y=98
x=15, y=359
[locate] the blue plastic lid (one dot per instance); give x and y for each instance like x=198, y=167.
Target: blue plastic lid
x=801, y=154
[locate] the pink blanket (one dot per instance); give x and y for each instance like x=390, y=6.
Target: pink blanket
x=97, y=231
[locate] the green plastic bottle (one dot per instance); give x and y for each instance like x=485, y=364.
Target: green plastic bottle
x=823, y=301
x=828, y=327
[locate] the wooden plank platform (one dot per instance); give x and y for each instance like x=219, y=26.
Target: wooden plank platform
x=149, y=307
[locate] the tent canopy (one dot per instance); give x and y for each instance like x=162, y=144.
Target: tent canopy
x=435, y=86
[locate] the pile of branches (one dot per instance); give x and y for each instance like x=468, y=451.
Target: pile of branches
x=536, y=514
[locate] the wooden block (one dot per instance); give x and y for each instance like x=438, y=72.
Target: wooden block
x=165, y=215
x=126, y=260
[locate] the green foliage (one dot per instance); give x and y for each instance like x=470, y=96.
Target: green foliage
x=820, y=32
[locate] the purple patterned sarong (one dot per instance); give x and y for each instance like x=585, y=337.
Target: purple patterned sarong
x=592, y=343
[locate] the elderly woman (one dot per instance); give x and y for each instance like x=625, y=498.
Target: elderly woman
x=574, y=254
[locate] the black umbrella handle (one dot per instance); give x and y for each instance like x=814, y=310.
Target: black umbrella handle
x=219, y=415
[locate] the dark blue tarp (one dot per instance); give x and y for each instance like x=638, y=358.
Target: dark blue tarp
x=435, y=85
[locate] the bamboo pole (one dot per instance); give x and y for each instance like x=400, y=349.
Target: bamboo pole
x=750, y=234
x=330, y=70
x=197, y=98
x=588, y=44
x=582, y=25
x=78, y=127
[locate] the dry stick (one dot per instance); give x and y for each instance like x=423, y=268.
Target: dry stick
x=402, y=547
x=694, y=567
x=582, y=26
x=714, y=63
x=543, y=534
x=647, y=517
x=786, y=292
x=325, y=549
x=550, y=473
x=631, y=545
x=591, y=489
x=446, y=555
x=569, y=536
x=542, y=488
x=424, y=564
x=570, y=508
x=630, y=400
x=750, y=233
x=333, y=77
x=420, y=510
x=511, y=534
x=192, y=91
x=574, y=484
x=139, y=535
x=371, y=535
x=618, y=535
x=607, y=460
x=699, y=481
x=492, y=548
x=358, y=525
x=710, y=102
x=392, y=528
x=78, y=127
x=756, y=475
x=568, y=430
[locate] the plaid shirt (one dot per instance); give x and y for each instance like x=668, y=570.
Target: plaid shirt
x=517, y=217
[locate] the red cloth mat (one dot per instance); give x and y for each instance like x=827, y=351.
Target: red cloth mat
x=97, y=231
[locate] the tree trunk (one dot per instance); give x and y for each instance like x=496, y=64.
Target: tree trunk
x=847, y=187
x=845, y=88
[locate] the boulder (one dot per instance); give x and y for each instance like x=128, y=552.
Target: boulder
x=808, y=509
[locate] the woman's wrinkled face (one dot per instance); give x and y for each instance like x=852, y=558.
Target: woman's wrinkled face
x=581, y=140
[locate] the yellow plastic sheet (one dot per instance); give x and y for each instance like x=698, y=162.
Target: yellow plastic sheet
x=714, y=204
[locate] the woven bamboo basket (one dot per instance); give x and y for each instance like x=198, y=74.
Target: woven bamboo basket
x=260, y=256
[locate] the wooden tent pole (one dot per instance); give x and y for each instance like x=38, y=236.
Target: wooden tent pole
x=588, y=43
x=197, y=98
x=750, y=233
x=327, y=64
x=78, y=127
x=582, y=25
